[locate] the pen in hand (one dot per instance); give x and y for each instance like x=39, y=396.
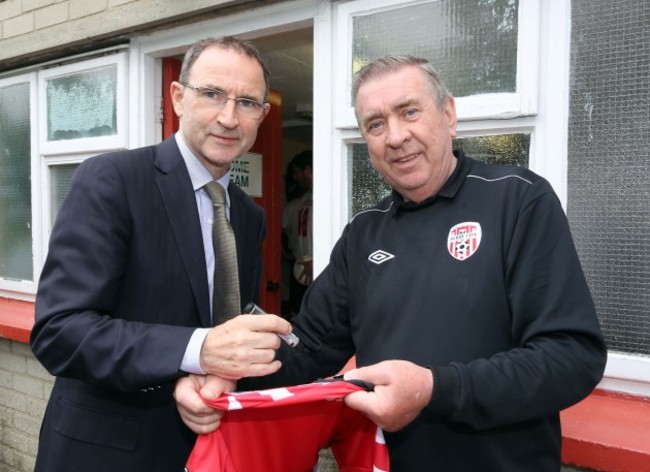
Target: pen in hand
x=252, y=309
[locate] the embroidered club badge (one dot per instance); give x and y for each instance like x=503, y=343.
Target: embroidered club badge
x=464, y=239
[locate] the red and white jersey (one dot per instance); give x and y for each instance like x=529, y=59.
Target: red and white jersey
x=283, y=429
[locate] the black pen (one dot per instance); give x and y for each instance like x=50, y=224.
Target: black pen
x=252, y=309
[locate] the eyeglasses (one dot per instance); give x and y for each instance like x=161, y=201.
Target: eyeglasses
x=218, y=98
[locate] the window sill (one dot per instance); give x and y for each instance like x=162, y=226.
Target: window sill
x=607, y=432
x=16, y=319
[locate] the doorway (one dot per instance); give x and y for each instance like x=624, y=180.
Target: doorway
x=290, y=58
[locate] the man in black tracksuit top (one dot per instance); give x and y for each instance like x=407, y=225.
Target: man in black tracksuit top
x=466, y=306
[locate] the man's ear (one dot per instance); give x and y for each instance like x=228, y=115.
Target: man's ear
x=267, y=109
x=450, y=112
x=177, y=91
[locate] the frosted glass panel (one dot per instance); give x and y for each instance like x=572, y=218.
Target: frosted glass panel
x=609, y=164
x=60, y=178
x=472, y=43
x=82, y=105
x=15, y=184
x=368, y=187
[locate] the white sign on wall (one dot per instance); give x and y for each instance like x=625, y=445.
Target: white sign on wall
x=246, y=172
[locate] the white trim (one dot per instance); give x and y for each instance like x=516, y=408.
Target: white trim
x=528, y=52
x=248, y=25
x=46, y=192
x=627, y=373
x=24, y=289
x=63, y=60
x=329, y=200
x=549, y=155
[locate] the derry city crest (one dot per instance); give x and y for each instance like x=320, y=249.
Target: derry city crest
x=464, y=239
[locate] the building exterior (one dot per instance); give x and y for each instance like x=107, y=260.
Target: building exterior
x=560, y=86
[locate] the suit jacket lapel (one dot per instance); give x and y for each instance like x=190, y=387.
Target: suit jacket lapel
x=178, y=197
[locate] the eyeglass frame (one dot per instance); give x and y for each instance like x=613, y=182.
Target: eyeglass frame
x=202, y=92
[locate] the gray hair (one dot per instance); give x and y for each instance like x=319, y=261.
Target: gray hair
x=395, y=63
x=226, y=42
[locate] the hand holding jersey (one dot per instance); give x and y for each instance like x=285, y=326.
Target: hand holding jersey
x=401, y=391
x=199, y=417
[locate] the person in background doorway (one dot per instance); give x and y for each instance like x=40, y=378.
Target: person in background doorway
x=293, y=192
x=461, y=294
x=123, y=307
x=299, y=228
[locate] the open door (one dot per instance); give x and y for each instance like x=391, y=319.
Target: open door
x=269, y=146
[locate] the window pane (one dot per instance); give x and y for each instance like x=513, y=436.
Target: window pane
x=60, y=178
x=472, y=43
x=510, y=149
x=368, y=187
x=609, y=164
x=82, y=105
x=15, y=192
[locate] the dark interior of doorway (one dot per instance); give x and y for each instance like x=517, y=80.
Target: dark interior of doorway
x=289, y=55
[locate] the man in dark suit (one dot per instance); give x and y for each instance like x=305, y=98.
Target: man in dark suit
x=123, y=307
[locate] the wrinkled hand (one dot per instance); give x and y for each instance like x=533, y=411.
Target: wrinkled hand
x=402, y=390
x=198, y=416
x=243, y=346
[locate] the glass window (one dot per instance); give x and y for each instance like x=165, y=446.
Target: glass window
x=509, y=149
x=473, y=44
x=82, y=105
x=60, y=178
x=609, y=166
x=368, y=187
x=15, y=183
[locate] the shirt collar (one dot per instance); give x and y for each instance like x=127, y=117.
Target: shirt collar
x=199, y=175
x=448, y=190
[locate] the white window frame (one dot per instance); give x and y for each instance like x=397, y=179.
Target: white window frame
x=522, y=102
x=45, y=154
x=88, y=144
x=23, y=288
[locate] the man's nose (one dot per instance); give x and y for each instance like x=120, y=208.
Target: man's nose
x=398, y=133
x=228, y=114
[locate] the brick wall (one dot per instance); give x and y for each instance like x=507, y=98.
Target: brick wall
x=24, y=389
x=35, y=30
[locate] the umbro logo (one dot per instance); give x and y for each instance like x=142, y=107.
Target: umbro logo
x=380, y=256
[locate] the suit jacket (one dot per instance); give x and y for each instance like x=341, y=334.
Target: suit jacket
x=123, y=287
